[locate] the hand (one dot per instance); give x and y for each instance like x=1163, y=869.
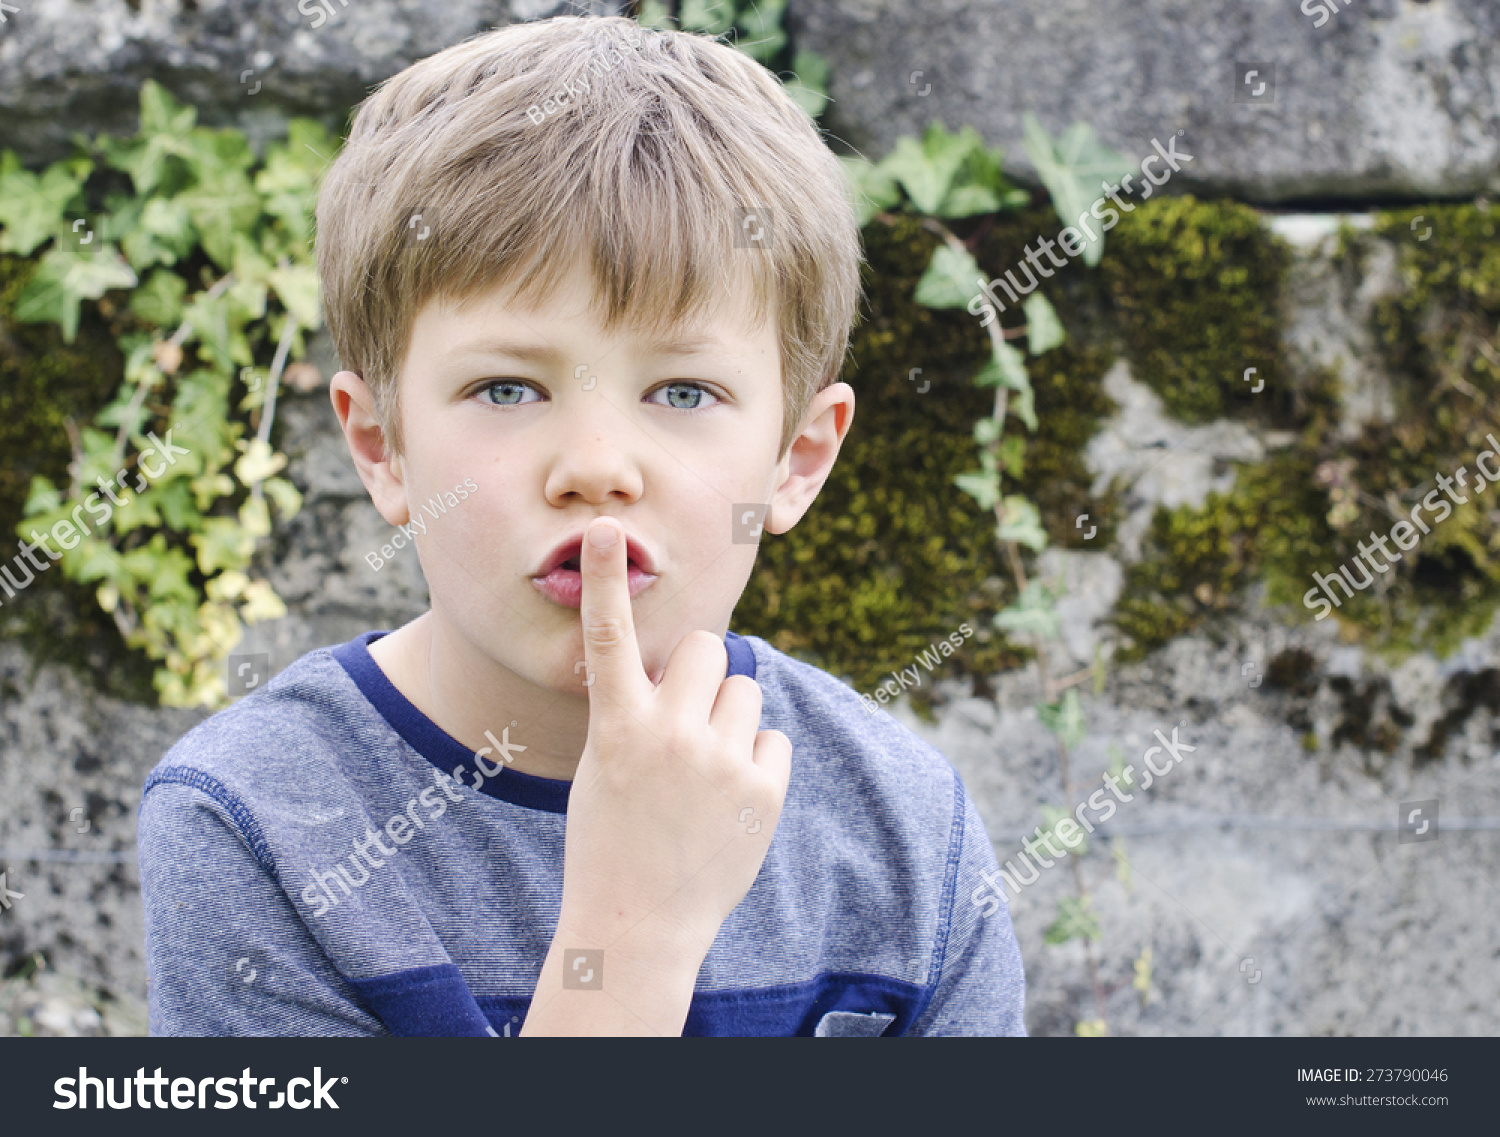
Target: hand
x=656, y=850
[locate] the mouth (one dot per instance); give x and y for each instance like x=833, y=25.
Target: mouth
x=560, y=576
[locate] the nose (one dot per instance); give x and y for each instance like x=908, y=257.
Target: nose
x=595, y=460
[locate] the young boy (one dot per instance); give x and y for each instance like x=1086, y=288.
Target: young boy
x=594, y=285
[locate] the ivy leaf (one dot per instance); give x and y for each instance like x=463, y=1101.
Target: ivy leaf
x=980, y=186
x=1064, y=719
x=169, y=574
x=164, y=132
x=297, y=289
x=1117, y=767
x=1032, y=613
x=213, y=329
x=139, y=512
x=1075, y=919
x=63, y=279
x=223, y=544
x=43, y=497
x=871, y=189
x=808, y=88
x=1051, y=815
x=32, y=208
x=285, y=496
x=261, y=603
x=223, y=203
x=1044, y=330
x=926, y=169
x=255, y=517
x=1007, y=368
x=159, y=300
x=951, y=174
x=175, y=501
x=200, y=411
x=289, y=180
x=158, y=232
x=99, y=560
x=220, y=628
x=945, y=284
x=1025, y=406
x=983, y=486
x=258, y=462
x=1021, y=522
x=715, y=17
x=227, y=585
x=1074, y=169
x=763, y=36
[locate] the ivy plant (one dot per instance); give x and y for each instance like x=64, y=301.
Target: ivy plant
x=947, y=176
x=204, y=252
x=754, y=27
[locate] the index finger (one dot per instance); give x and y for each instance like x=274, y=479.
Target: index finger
x=609, y=644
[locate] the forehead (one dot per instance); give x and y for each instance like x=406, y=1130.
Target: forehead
x=723, y=318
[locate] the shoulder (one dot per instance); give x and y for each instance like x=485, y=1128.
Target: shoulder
x=848, y=752
x=300, y=721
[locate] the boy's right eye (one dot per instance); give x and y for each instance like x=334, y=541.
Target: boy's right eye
x=505, y=392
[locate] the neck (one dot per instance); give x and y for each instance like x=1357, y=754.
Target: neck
x=466, y=693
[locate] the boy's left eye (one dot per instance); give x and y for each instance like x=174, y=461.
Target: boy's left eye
x=685, y=392
x=682, y=395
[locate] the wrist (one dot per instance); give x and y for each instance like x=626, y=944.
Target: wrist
x=637, y=983
x=648, y=944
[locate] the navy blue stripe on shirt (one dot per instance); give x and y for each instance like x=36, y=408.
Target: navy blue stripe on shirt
x=435, y=1001
x=424, y=1002
x=447, y=753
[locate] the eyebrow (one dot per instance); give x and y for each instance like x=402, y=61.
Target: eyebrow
x=531, y=352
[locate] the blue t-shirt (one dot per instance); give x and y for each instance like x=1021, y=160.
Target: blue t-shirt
x=321, y=858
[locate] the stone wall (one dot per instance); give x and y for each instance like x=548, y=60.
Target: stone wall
x=1265, y=876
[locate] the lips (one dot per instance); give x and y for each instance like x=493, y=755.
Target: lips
x=569, y=551
x=560, y=577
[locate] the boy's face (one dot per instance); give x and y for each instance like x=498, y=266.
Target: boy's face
x=590, y=424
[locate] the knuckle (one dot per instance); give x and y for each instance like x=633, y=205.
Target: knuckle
x=744, y=685
x=702, y=636
x=606, y=630
x=681, y=742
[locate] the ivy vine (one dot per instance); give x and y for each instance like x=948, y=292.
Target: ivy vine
x=206, y=252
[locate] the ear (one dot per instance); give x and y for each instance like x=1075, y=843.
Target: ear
x=809, y=459
x=378, y=467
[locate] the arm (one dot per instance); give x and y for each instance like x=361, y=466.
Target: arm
x=981, y=987
x=226, y=953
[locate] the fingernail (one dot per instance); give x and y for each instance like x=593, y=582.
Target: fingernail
x=603, y=536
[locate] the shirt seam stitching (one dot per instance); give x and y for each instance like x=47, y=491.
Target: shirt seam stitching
x=247, y=828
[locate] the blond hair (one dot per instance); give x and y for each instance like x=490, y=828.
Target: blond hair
x=644, y=151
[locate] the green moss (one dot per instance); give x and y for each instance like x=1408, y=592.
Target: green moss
x=892, y=556
x=1197, y=562
x=1307, y=510
x=1193, y=287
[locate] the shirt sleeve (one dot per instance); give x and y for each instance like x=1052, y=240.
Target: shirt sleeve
x=981, y=987
x=226, y=952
